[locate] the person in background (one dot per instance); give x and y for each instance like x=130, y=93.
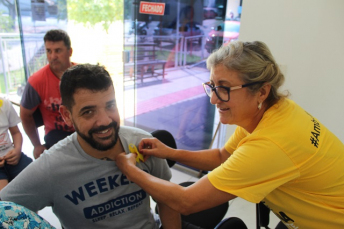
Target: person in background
x=80, y=180
x=42, y=92
x=279, y=154
x=12, y=159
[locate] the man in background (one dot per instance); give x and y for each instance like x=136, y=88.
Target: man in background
x=42, y=92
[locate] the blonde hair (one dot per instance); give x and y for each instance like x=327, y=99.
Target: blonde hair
x=254, y=62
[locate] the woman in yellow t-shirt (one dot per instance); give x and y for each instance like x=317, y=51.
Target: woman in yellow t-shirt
x=279, y=154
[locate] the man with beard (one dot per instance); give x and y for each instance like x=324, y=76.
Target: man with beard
x=42, y=92
x=78, y=176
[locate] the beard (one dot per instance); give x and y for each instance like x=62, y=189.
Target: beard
x=94, y=143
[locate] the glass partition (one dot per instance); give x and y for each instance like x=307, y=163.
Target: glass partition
x=11, y=71
x=23, y=25
x=165, y=65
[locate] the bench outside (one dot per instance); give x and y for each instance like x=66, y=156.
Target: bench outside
x=146, y=69
x=142, y=63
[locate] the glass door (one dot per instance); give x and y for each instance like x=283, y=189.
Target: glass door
x=166, y=44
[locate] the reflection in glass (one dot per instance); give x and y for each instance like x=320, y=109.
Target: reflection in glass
x=170, y=96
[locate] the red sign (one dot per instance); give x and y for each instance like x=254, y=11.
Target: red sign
x=156, y=8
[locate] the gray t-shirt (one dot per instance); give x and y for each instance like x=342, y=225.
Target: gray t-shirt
x=85, y=192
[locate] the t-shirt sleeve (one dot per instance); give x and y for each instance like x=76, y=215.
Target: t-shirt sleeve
x=235, y=139
x=31, y=188
x=30, y=98
x=256, y=168
x=160, y=168
x=12, y=116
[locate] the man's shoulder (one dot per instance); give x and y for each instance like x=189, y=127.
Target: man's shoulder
x=38, y=76
x=62, y=147
x=132, y=135
x=5, y=104
x=133, y=131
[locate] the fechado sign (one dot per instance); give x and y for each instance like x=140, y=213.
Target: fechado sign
x=156, y=8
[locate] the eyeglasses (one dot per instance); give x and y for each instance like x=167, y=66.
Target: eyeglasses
x=222, y=92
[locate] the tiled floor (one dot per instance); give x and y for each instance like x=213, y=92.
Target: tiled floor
x=237, y=207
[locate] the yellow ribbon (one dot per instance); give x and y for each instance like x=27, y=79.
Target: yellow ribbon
x=133, y=149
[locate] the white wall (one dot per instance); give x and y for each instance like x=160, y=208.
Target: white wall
x=307, y=39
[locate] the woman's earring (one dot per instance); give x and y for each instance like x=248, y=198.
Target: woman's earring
x=260, y=106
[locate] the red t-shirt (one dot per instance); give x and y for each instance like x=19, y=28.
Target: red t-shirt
x=42, y=91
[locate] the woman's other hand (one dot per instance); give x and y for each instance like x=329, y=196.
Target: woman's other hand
x=154, y=147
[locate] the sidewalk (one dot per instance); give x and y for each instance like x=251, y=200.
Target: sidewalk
x=177, y=104
x=178, y=85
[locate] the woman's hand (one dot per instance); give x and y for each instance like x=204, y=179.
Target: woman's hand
x=154, y=147
x=126, y=163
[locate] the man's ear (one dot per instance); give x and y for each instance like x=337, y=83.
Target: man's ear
x=66, y=115
x=70, y=51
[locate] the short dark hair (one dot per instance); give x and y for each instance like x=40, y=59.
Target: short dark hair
x=58, y=35
x=83, y=76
